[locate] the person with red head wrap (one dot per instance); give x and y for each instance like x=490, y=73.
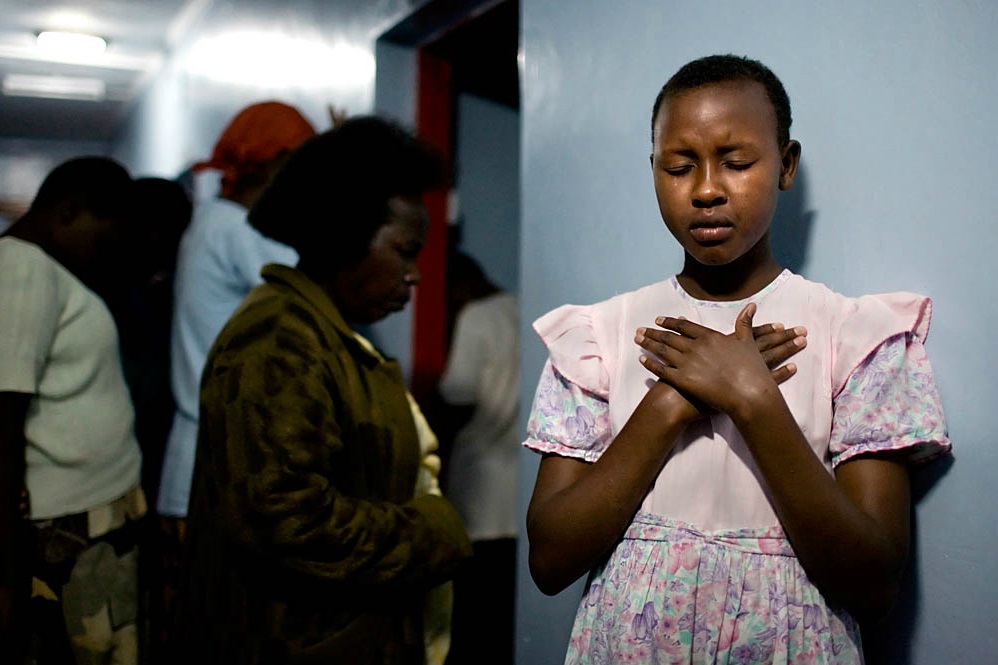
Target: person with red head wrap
x=219, y=261
x=256, y=139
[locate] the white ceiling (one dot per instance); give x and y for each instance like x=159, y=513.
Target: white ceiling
x=140, y=35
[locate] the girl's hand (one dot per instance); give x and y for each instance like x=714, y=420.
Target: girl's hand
x=722, y=371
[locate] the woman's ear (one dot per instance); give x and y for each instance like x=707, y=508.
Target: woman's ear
x=790, y=160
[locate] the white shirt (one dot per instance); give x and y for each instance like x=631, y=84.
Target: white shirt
x=483, y=369
x=218, y=263
x=59, y=343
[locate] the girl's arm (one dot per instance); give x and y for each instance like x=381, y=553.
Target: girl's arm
x=851, y=531
x=579, y=510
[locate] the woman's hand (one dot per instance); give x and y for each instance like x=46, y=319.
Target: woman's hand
x=704, y=352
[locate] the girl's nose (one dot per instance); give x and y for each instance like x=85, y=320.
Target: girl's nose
x=708, y=191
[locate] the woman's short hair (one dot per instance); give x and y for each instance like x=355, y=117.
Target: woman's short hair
x=331, y=197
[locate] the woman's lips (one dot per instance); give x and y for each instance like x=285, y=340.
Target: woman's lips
x=711, y=233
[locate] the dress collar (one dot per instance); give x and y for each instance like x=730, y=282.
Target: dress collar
x=719, y=304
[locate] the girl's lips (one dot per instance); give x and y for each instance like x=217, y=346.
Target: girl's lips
x=709, y=234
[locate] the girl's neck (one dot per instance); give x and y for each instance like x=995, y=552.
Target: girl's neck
x=737, y=280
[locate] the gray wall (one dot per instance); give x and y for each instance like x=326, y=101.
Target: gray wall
x=894, y=105
x=394, y=97
x=488, y=180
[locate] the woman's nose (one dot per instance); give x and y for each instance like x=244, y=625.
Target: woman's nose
x=412, y=275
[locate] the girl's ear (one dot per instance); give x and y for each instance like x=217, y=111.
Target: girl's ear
x=790, y=160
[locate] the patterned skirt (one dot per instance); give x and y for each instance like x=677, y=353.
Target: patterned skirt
x=670, y=593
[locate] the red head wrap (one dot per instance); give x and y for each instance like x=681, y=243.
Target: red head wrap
x=256, y=136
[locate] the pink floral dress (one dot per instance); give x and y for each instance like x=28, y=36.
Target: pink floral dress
x=705, y=574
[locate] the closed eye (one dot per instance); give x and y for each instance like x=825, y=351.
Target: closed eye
x=678, y=170
x=739, y=166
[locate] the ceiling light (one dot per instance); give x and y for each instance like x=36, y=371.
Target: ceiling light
x=54, y=87
x=277, y=61
x=71, y=44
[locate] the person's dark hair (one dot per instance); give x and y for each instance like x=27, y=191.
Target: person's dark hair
x=155, y=234
x=331, y=196
x=99, y=185
x=722, y=69
x=167, y=207
x=463, y=268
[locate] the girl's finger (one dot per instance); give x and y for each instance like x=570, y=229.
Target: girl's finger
x=743, y=324
x=774, y=339
x=682, y=326
x=784, y=372
x=766, y=329
x=665, y=345
x=782, y=352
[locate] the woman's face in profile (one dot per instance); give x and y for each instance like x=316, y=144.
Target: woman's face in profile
x=382, y=281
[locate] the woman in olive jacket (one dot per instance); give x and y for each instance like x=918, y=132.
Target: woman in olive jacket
x=309, y=539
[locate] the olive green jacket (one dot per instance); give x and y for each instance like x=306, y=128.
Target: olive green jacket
x=305, y=542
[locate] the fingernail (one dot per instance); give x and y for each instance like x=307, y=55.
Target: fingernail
x=792, y=368
x=800, y=330
x=643, y=359
x=639, y=335
x=660, y=320
x=800, y=341
x=777, y=326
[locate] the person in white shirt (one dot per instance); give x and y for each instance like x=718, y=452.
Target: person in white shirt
x=66, y=427
x=481, y=387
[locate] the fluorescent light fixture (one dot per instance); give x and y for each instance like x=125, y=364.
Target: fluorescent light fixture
x=275, y=60
x=54, y=87
x=71, y=44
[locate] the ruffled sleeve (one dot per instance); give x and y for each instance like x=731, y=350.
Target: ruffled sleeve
x=567, y=420
x=571, y=415
x=863, y=324
x=890, y=402
x=577, y=349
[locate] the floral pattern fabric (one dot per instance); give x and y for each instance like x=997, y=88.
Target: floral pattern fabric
x=670, y=593
x=889, y=403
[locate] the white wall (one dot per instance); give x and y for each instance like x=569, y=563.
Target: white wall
x=309, y=54
x=894, y=105
x=297, y=57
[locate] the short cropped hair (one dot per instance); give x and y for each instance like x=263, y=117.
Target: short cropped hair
x=722, y=69
x=99, y=185
x=331, y=197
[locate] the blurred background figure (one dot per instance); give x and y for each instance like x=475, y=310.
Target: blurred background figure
x=317, y=531
x=142, y=305
x=219, y=262
x=66, y=426
x=480, y=390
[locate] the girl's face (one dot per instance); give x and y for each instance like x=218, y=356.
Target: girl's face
x=382, y=281
x=718, y=170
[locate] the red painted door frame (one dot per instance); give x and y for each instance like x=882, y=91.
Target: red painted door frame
x=429, y=335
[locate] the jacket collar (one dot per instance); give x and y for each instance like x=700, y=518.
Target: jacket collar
x=297, y=281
